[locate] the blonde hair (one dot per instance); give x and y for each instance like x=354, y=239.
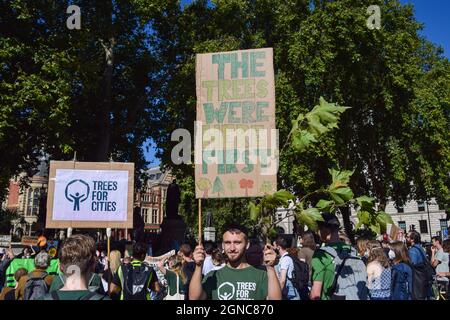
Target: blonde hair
x=361, y=244
x=114, y=261
x=177, y=266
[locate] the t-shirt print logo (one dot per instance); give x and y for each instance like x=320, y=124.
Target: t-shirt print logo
x=226, y=291
x=77, y=191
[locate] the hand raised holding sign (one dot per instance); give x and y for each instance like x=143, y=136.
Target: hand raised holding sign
x=269, y=255
x=199, y=255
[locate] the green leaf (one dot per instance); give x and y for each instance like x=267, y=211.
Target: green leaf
x=324, y=117
x=283, y=195
x=314, y=213
x=340, y=177
x=365, y=201
x=305, y=219
x=309, y=217
x=302, y=139
x=375, y=228
x=325, y=205
x=384, y=218
x=341, y=195
x=254, y=211
x=363, y=217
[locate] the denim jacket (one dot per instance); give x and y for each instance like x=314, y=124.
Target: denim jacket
x=401, y=282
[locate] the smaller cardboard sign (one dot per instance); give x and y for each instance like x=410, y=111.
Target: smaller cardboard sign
x=5, y=240
x=394, y=232
x=30, y=241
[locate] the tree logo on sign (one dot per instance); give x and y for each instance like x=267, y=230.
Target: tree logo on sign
x=77, y=191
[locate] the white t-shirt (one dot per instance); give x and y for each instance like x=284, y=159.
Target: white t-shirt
x=286, y=263
x=443, y=265
x=207, y=265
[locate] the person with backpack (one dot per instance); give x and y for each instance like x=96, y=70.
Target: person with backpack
x=9, y=293
x=94, y=283
x=422, y=269
x=77, y=263
x=337, y=272
x=293, y=274
x=402, y=273
x=136, y=280
x=37, y=283
x=308, y=247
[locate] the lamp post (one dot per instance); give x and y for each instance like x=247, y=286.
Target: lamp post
x=429, y=219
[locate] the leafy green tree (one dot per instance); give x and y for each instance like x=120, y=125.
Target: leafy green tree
x=64, y=90
x=395, y=136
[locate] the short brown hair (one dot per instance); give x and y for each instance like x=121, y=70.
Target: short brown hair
x=401, y=252
x=79, y=251
x=20, y=273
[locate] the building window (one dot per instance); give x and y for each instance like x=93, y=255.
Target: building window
x=145, y=215
x=423, y=226
x=421, y=206
x=402, y=225
x=443, y=223
x=155, y=216
x=441, y=206
x=280, y=216
x=400, y=209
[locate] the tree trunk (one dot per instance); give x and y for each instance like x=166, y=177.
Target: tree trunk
x=104, y=120
x=346, y=213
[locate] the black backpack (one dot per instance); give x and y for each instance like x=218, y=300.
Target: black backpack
x=423, y=274
x=135, y=281
x=300, y=277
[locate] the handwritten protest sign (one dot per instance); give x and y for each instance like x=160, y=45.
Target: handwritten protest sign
x=236, y=144
x=90, y=195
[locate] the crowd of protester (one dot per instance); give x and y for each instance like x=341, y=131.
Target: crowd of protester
x=323, y=265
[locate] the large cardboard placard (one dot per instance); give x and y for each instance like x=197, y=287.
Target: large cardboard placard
x=235, y=136
x=90, y=195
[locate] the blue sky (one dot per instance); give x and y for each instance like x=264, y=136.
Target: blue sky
x=434, y=14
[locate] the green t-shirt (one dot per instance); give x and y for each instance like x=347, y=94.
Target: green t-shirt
x=172, y=283
x=236, y=284
x=323, y=268
x=72, y=295
x=95, y=284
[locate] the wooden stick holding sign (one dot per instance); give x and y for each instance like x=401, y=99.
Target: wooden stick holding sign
x=199, y=221
x=108, y=249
